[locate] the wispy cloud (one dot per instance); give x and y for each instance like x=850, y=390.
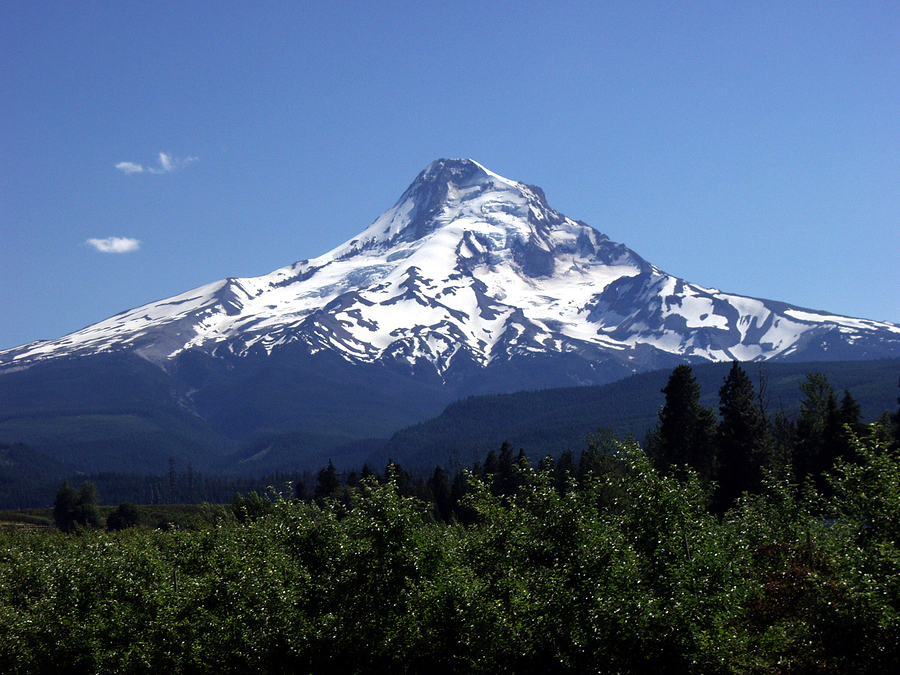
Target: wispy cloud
x=165, y=161
x=129, y=167
x=167, y=164
x=114, y=244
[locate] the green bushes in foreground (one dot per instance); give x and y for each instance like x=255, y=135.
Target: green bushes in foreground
x=624, y=572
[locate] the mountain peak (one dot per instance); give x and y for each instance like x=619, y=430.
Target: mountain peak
x=439, y=188
x=445, y=178
x=457, y=172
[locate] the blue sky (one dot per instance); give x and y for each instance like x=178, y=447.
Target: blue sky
x=752, y=147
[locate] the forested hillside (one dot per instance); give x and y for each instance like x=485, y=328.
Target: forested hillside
x=554, y=420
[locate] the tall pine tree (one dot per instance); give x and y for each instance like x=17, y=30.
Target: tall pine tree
x=895, y=427
x=816, y=426
x=441, y=491
x=327, y=483
x=685, y=433
x=842, y=427
x=740, y=438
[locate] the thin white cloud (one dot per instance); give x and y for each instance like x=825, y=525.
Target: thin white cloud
x=167, y=164
x=165, y=161
x=114, y=244
x=129, y=167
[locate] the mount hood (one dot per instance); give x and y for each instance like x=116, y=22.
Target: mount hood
x=466, y=270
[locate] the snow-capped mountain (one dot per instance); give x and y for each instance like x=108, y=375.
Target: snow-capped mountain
x=469, y=284
x=471, y=267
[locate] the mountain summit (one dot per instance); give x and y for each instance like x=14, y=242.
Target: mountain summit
x=468, y=270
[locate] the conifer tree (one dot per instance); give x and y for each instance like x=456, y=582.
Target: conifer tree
x=895, y=428
x=596, y=460
x=300, y=492
x=685, y=433
x=818, y=421
x=403, y=478
x=491, y=464
x=460, y=487
x=367, y=472
x=506, y=477
x=740, y=438
x=841, y=429
x=441, y=490
x=564, y=471
x=327, y=482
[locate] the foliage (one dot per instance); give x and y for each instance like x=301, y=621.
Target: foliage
x=76, y=508
x=606, y=562
x=623, y=570
x=125, y=451
x=124, y=516
x=250, y=506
